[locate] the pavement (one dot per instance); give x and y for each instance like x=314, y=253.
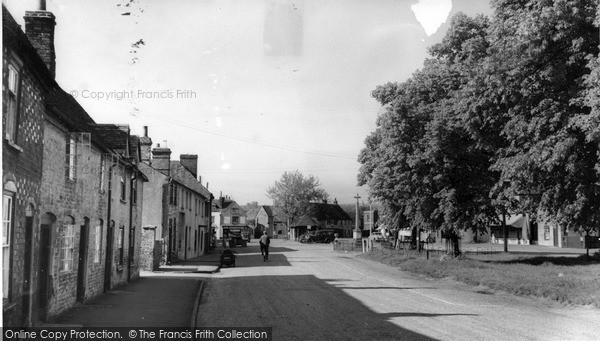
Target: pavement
x=166, y=298
x=145, y=302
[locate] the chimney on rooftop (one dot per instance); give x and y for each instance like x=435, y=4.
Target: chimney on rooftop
x=39, y=28
x=146, y=146
x=190, y=162
x=161, y=160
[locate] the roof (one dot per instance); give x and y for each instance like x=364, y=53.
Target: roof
x=305, y=220
x=183, y=176
x=321, y=211
x=116, y=136
x=515, y=220
x=268, y=210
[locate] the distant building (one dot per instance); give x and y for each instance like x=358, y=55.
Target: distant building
x=270, y=219
x=321, y=216
x=177, y=209
x=370, y=220
x=226, y=211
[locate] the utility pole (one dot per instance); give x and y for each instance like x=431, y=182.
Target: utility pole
x=504, y=229
x=357, y=233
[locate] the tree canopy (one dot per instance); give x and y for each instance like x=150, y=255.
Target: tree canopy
x=504, y=114
x=292, y=193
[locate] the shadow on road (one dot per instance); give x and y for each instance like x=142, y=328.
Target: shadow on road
x=256, y=260
x=407, y=314
x=254, y=247
x=397, y=288
x=301, y=307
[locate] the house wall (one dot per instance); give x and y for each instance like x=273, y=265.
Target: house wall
x=264, y=219
x=71, y=200
x=127, y=231
x=547, y=233
x=22, y=165
x=153, y=215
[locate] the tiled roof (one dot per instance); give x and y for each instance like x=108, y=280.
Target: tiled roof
x=305, y=220
x=321, y=211
x=181, y=175
x=115, y=135
x=268, y=210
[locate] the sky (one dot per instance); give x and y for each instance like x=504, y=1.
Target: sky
x=256, y=87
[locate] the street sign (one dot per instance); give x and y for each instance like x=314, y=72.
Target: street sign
x=592, y=242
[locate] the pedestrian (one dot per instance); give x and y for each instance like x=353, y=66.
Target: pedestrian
x=264, y=242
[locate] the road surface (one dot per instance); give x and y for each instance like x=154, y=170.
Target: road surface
x=309, y=292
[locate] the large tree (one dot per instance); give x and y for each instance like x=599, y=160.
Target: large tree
x=505, y=108
x=292, y=193
x=421, y=162
x=539, y=64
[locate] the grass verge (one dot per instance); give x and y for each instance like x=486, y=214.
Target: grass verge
x=568, y=280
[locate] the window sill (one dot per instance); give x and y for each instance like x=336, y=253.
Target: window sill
x=123, y=201
x=13, y=144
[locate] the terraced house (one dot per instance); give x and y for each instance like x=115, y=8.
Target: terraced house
x=177, y=209
x=71, y=187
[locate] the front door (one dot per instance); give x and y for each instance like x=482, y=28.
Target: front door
x=82, y=267
x=44, y=262
x=109, y=256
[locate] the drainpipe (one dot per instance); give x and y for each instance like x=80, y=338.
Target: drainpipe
x=131, y=234
x=107, y=261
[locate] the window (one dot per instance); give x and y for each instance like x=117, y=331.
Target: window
x=175, y=194
x=66, y=247
x=98, y=241
x=546, y=232
x=123, y=189
x=235, y=220
x=102, y=173
x=7, y=222
x=12, y=110
x=71, y=158
x=134, y=190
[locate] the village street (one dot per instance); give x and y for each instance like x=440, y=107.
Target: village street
x=309, y=292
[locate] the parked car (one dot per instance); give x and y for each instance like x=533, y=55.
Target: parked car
x=304, y=238
x=323, y=236
x=377, y=236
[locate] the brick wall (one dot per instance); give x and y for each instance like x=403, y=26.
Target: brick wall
x=80, y=199
x=21, y=164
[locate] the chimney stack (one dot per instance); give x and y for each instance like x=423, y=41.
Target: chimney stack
x=39, y=28
x=161, y=160
x=190, y=162
x=146, y=146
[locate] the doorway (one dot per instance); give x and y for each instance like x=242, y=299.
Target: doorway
x=47, y=222
x=83, y=260
x=109, y=255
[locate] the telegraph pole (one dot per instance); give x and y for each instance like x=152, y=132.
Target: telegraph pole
x=357, y=234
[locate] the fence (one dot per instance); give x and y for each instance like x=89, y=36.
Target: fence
x=426, y=249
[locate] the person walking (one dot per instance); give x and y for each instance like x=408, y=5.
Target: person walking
x=264, y=242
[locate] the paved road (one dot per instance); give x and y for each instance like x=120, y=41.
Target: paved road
x=308, y=292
